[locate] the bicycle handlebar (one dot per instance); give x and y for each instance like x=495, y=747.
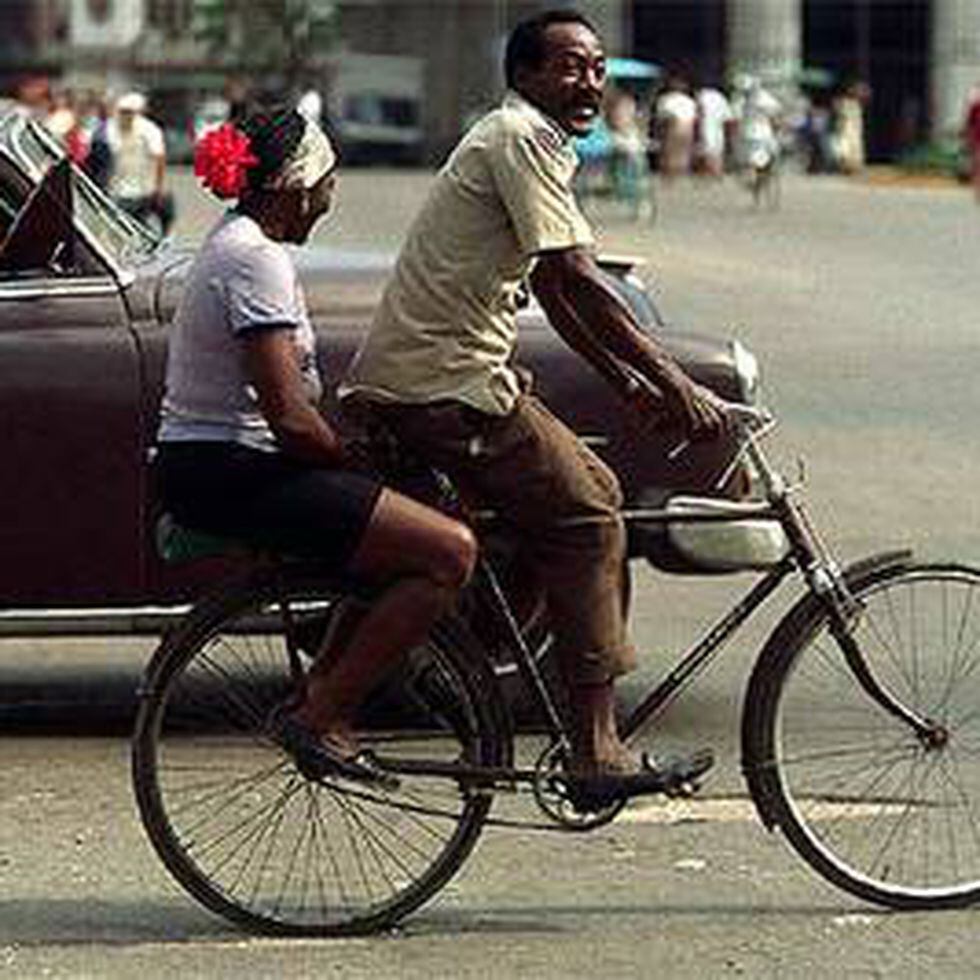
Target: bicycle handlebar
x=745, y=419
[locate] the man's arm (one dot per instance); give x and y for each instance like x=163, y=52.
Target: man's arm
x=302, y=432
x=595, y=323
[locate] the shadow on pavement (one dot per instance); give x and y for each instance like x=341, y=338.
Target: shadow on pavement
x=85, y=703
x=66, y=922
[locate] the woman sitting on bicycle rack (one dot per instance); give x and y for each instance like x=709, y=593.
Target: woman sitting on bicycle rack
x=436, y=370
x=244, y=453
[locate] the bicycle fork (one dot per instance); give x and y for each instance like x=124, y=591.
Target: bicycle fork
x=845, y=613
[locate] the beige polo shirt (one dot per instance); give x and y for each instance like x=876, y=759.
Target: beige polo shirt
x=446, y=326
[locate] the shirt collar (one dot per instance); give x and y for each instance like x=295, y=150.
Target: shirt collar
x=514, y=100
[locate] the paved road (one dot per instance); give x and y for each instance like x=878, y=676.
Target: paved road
x=861, y=302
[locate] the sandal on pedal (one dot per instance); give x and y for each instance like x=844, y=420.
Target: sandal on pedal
x=316, y=759
x=674, y=776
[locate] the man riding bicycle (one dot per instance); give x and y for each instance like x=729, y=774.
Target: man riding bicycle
x=437, y=369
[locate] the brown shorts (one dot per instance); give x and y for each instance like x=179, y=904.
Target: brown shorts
x=563, y=500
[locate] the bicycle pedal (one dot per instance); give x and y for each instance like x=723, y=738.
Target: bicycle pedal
x=683, y=790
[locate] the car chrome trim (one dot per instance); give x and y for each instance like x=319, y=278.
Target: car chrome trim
x=127, y=621
x=746, y=371
x=43, y=288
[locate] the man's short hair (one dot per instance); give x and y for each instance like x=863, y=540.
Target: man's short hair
x=526, y=44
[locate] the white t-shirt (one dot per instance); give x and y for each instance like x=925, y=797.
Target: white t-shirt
x=678, y=109
x=135, y=153
x=714, y=112
x=241, y=281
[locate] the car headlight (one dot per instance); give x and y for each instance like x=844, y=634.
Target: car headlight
x=746, y=371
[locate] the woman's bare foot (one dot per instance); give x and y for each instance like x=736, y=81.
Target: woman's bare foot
x=336, y=733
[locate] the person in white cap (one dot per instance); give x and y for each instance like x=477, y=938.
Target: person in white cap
x=139, y=163
x=244, y=452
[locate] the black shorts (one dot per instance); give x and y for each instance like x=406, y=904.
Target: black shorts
x=266, y=500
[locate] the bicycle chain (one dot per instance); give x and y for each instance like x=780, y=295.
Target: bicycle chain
x=564, y=817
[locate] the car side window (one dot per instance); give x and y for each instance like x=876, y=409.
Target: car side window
x=11, y=199
x=41, y=238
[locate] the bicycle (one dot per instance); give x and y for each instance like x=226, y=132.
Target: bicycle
x=855, y=738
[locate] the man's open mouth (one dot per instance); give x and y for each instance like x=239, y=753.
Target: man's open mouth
x=583, y=115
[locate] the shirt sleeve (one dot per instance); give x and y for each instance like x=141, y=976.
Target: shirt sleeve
x=534, y=181
x=261, y=291
x=153, y=138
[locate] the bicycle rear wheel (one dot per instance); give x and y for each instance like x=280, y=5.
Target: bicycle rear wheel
x=243, y=831
x=889, y=815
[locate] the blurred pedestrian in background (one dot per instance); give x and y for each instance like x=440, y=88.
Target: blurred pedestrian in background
x=815, y=136
x=33, y=97
x=94, y=123
x=628, y=157
x=971, y=137
x=60, y=119
x=63, y=123
x=848, y=128
x=139, y=163
x=675, y=114
x=757, y=113
x=714, y=120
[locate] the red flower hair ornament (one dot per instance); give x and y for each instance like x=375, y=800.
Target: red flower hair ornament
x=222, y=158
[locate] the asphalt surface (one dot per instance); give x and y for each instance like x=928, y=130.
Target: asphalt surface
x=860, y=300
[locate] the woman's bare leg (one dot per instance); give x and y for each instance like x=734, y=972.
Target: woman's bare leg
x=427, y=557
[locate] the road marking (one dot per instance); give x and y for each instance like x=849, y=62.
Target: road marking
x=666, y=811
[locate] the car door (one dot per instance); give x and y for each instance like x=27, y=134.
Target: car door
x=69, y=397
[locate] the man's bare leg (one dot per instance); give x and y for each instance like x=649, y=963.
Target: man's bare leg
x=596, y=745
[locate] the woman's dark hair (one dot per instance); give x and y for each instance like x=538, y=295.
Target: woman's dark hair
x=273, y=134
x=526, y=44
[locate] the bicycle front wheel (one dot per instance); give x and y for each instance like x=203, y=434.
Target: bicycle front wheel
x=254, y=840
x=888, y=814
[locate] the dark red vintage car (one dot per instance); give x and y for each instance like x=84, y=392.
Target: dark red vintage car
x=86, y=296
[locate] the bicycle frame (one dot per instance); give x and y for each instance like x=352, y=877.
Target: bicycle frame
x=806, y=555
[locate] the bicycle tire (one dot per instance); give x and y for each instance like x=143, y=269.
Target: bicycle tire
x=863, y=800
x=243, y=831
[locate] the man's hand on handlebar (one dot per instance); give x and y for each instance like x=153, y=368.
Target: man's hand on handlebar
x=698, y=410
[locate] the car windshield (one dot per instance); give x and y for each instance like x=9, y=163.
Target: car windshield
x=119, y=238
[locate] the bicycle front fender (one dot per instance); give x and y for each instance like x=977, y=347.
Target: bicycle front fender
x=805, y=616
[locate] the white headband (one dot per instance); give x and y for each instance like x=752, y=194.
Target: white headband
x=312, y=160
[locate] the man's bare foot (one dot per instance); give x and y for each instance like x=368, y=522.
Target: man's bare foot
x=609, y=759
x=596, y=745
x=675, y=776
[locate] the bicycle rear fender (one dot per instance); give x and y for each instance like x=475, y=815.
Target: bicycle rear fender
x=757, y=750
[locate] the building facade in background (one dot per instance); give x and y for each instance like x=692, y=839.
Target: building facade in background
x=919, y=57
